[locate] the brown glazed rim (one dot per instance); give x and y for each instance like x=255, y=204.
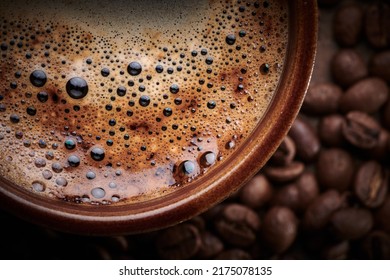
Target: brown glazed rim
x=213, y=186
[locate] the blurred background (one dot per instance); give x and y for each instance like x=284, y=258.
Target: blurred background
x=324, y=193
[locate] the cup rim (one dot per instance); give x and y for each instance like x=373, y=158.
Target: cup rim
x=208, y=190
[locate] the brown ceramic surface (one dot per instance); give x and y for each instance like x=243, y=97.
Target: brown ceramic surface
x=191, y=197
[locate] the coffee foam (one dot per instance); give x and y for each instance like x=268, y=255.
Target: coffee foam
x=209, y=70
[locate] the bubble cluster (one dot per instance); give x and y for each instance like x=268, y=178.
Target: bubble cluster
x=139, y=106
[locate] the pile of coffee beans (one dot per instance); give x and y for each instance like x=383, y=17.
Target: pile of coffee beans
x=324, y=194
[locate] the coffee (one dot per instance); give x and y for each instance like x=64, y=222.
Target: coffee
x=126, y=101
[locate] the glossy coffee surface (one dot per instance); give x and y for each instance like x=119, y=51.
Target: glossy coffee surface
x=124, y=102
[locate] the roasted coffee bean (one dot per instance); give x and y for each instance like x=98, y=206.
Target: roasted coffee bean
x=305, y=138
x=376, y=246
x=210, y=247
x=282, y=174
x=337, y=251
x=285, y=153
x=238, y=225
x=320, y=210
x=361, y=130
x=348, y=67
x=335, y=169
x=381, y=151
x=371, y=183
x=257, y=192
x=322, y=98
x=279, y=228
x=377, y=22
x=347, y=24
x=308, y=189
x=287, y=196
x=367, y=95
x=330, y=130
x=351, y=223
x=298, y=195
x=382, y=216
x=380, y=65
x=234, y=254
x=179, y=242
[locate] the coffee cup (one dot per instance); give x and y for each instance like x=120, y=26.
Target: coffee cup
x=130, y=116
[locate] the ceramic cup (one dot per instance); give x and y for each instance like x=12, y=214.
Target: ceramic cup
x=129, y=117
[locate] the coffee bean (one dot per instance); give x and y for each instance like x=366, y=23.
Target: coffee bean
x=371, y=183
x=335, y=169
x=287, y=196
x=233, y=254
x=320, y=210
x=308, y=189
x=377, y=22
x=337, y=251
x=298, y=195
x=348, y=67
x=380, y=65
x=330, y=130
x=347, y=24
x=367, y=95
x=351, y=223
x=279, y=228
x=377, y=246
x=238, y=225
x=210, y=247
x=282, y=174
x=257, y=192
x=285, y=153
x=305, y=138
x=179, y=242
x=381, y=151
x=361, y=130
x=322, y=98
